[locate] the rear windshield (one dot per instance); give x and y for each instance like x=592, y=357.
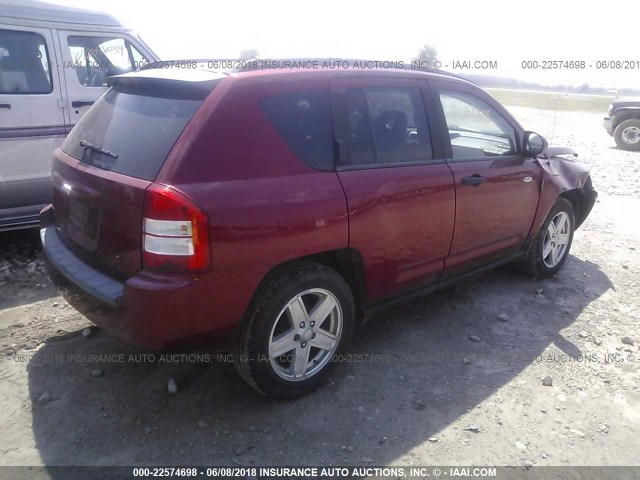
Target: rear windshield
x=129, y=134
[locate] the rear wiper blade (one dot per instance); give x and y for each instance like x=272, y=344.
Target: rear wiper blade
x=96, y=148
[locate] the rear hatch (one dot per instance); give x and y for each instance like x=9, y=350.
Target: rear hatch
x=112, y=156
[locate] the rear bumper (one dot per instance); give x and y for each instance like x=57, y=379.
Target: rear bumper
x=607, y=123
x=85, y=278
x=154, y=311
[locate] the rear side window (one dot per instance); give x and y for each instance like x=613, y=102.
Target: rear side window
x=24, y=63
x=351, y=114
x=383, y=126
x=303, y=119
x=129, y=134
x=399, y=124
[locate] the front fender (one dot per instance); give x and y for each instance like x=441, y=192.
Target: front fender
x=564, y=173
x=562, y=176
x=555, y=151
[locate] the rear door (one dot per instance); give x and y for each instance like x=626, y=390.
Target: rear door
x=31, y=120
x=497, y=188
x=399, y=189
x=89, y=58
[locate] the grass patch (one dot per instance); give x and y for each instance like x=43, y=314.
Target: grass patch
x=552, y=100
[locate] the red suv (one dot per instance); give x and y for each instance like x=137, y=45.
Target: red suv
x=275, y=208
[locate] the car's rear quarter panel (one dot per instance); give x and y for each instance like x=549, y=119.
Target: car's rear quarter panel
x=265, y=206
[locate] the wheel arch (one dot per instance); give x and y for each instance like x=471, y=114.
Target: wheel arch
x=625, y=114
x=567, y=179
x=257, y=325
x=571, y=182
x=582, y=201
x=347, y=262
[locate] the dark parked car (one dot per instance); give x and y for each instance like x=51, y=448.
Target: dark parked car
x=275, y=208
x=623, y=122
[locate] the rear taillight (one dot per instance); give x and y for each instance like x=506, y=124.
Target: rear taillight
x=175, y=233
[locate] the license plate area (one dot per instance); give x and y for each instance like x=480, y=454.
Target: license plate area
x=83, y=217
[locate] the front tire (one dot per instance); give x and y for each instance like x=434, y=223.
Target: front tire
x=299, y=320
x=551, y=245
x=627, y=135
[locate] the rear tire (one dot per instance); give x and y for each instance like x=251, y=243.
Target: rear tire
x=551, y=245
x=299, y=320
x=627, y=135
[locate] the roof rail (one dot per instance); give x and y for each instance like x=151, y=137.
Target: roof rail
x=314, y=63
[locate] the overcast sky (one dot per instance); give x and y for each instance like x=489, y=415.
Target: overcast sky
x=461, y=30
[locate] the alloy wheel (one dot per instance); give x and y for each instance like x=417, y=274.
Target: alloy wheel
x=305, y=335
x=556, y=239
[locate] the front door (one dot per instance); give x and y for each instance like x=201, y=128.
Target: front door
x=400, y=195
x=497, y=188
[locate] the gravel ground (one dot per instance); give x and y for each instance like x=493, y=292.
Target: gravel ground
x=500, y=370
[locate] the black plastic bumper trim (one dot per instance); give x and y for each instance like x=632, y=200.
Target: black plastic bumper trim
x=76, y=271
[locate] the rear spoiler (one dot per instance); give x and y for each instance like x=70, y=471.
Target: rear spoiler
x=169, y=83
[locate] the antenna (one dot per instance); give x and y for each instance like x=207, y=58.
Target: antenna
x=555, y=115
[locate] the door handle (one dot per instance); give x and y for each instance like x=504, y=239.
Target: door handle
x=5, y=105
x=474, y=180
x=78, y=104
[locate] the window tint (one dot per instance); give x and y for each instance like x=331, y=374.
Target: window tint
x=303, y=119
x=24, y=63
x=96, y=58
x=476, y=130
x=135, y=132
x=384, y=125
x=352, y=115
x=399, y=124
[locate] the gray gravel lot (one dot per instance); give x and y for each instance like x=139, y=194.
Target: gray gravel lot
x=422, y=392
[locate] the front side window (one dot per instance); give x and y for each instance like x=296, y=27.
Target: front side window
x=475, y=129
x=24, y=63
x=96, y=58
x=384, y=125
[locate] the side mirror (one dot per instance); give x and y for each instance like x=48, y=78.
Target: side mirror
x=534, y=144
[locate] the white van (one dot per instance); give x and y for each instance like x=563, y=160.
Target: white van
x=54, y=62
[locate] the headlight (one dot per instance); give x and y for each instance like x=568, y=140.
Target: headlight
x=610, y=110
